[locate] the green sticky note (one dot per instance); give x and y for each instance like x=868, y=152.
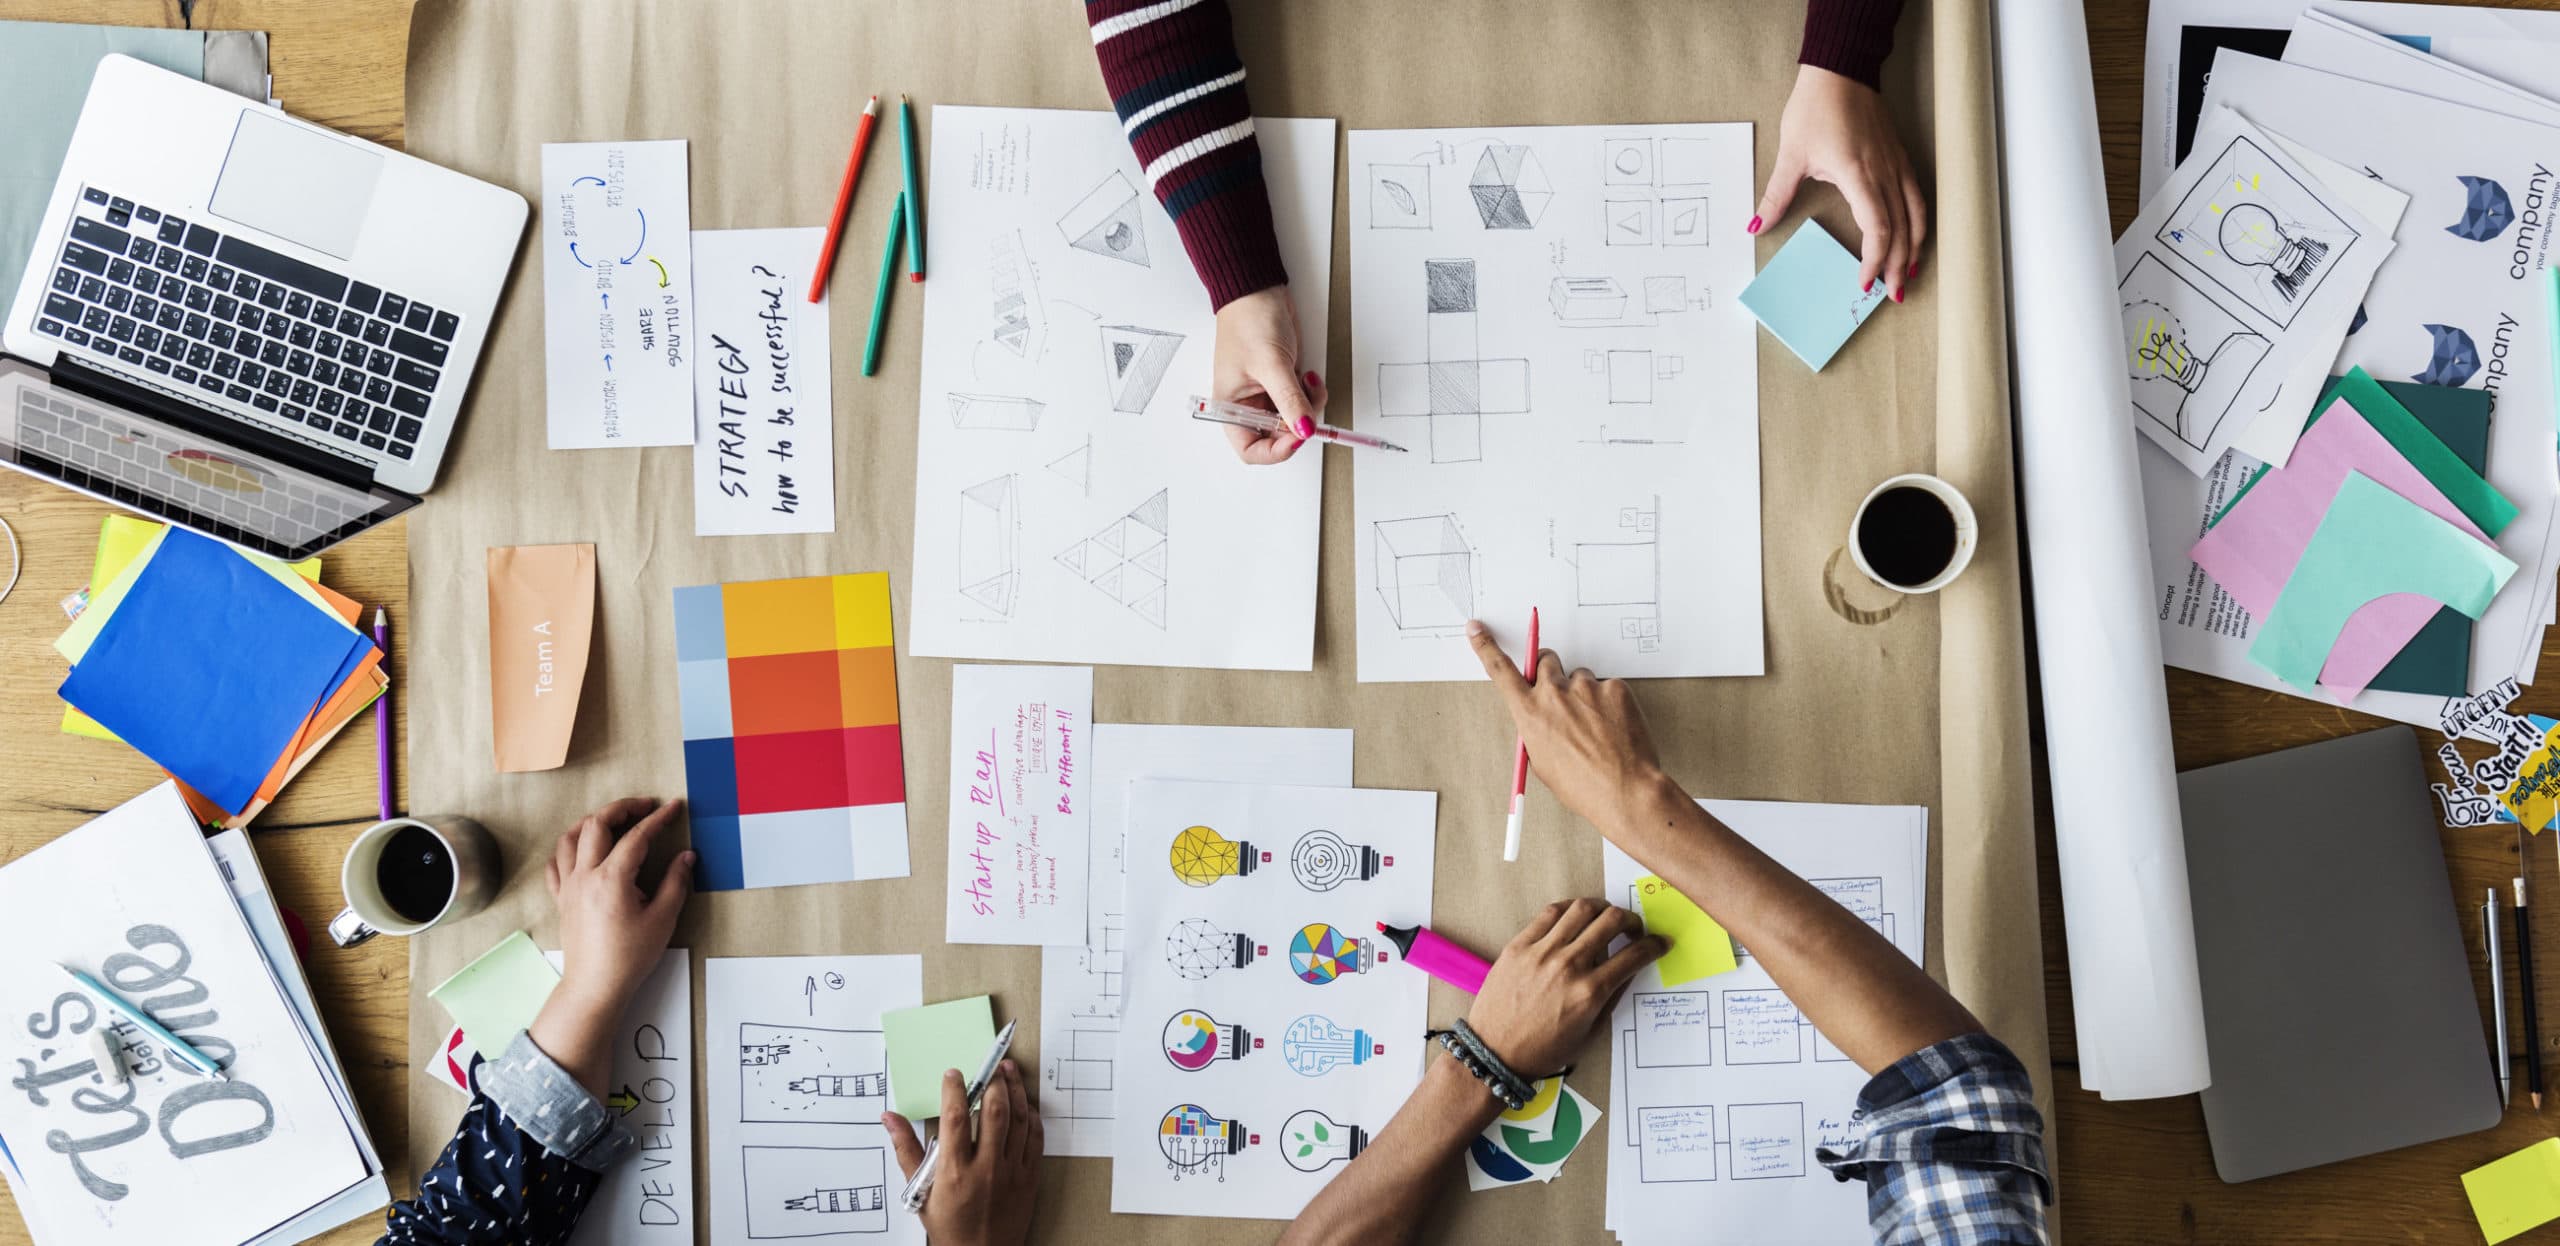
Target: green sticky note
x=924, y=1041
x=2514, y=1194
x=2465, y=488
x=1699, y=947
x=496, y=997
x=2370, y=543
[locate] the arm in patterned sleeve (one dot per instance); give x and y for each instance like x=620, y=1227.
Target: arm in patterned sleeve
x=1951, y=1148
x=1850, y=38
x=521, y=1166
x=1178, y=85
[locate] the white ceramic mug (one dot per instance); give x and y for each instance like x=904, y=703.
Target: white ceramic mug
x=1968, y=532
x=468, y=851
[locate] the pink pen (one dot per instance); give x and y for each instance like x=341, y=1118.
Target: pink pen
x=1263, y=421
x=1438, y=957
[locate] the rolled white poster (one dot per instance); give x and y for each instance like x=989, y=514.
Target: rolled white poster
x=2121, y=853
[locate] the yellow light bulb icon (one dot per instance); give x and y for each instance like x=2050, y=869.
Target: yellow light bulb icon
x=1202, y=856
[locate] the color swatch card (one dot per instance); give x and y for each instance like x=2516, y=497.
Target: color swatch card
x=619, y=336
x=1021, y=804
x=789, y=695
x=1270, y=1031
x=1808, y=295
x=764, y=457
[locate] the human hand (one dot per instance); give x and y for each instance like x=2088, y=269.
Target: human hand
x=1556, y=980
x=1256, y=364
x=1586, y=736
x=612, y=931
x=983, y=1185
x=1837, y=130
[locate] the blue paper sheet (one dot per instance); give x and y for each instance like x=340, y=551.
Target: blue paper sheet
x=209, y=667
x=1808, y=295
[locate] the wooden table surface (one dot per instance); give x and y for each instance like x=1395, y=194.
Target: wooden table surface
x=2131, y=1172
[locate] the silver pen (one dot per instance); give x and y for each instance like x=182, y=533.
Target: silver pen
x=2497, y=994
x=922, y=1183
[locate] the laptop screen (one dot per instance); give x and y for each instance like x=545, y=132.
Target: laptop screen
x=128, y=457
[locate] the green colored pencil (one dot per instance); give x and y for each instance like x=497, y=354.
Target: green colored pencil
x=880, y=295
x=915, y=191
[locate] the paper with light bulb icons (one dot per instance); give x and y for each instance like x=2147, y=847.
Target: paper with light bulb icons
x=1021, y=804
x=1268, y=1031
x=2238, y=281
x=1531, y=1142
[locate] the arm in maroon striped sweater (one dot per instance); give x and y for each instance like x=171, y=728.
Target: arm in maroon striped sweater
x=1837, y=129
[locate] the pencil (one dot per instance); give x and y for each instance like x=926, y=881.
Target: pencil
x=1520, y=751
x=2524, y=976
x=880, y=295
x=914, y=192
x=382, y=716
x=844, y=199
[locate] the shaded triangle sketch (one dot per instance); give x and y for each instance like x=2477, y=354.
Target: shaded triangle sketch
x=1108, y=222
x=1126, y=559
x=1134, y=361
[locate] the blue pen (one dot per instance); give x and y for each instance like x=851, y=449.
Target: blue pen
x=175, y=1045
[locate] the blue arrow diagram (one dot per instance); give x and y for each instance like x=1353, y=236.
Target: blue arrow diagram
x=582, y=260
x=644, y=237
x=588, y=178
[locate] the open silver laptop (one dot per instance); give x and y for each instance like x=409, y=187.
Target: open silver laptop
x=243, y=322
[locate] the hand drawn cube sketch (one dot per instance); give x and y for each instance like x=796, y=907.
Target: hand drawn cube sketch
x=812, y=1191
x=991, y=543
x=1666, y=294
x=1426, y=572
x=799, y=1073
x=1134, y=361
x=1399, y=196
x=2188, y=365
x=1510, y=187
x=1453, y=388
x=1623, y=573
x=1128, y=559
x=2256, y=232
x=1587, y=298
x=1109, y=221
x=996, y=412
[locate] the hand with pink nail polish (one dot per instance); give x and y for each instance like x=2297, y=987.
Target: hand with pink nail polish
x=1256, y=363
x=1838, y=130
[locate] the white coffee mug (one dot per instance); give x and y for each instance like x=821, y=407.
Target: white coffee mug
x=471, y=862
x=1968, y=532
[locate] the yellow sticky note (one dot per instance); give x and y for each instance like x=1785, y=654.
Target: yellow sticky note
x=2516, y=1193
x=1699, y=947
x=2533, y=796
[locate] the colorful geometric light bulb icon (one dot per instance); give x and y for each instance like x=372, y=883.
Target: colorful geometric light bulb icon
x=1197, y=948
x=1314, y=1046
x=1309, y=1140
x=1192, y=1139
x=1319, y=954
x=1321, y=861
x=1202, y=856
x=1194, y=1040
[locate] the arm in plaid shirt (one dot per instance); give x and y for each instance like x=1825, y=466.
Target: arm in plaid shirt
x=1952, y=1148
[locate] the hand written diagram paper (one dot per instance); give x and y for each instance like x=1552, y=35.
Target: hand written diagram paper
x=1081, y=987
x=764, y=458
x=647, y=1200
x=1548, y=318
x=798, y=1075
x=1066, y=509
x=1021, y=803
x=1271, y=1031
x=2237, y=282
x=1721, y=1090
x=617, y=294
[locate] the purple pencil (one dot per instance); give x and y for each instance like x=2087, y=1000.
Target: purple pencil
x=382, y=713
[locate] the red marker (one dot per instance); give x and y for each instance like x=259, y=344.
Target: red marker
x=1438, y=957
x=1520, y=754
x=844, y=199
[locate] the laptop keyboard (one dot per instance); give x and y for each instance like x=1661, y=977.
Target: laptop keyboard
x=96, y=451
x=351, y=363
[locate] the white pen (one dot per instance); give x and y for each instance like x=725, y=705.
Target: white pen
x=2497, y=993
x=1264, y=421
x=922, y=1183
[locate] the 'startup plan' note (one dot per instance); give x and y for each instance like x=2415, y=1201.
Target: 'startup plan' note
x=1019, y=809
x=764, y=457
x=617, y=294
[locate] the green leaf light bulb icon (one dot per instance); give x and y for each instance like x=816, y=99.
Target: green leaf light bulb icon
x=1310, y=1140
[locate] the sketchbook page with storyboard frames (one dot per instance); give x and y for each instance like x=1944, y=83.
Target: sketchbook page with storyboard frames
x=1539, y=314
x=1064, y=509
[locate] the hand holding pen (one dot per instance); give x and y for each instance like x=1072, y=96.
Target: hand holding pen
x=1255, y=419
x=983, y=1183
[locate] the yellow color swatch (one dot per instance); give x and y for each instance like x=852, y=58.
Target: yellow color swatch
x=2514, y=1194
x=862, y=611
x=1699, y=947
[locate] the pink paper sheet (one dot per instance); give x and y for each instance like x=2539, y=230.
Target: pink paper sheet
x=2253, y=550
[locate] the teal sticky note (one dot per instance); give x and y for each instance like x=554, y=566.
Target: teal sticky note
x=2372, y=542
x=497, y=996
x=1808, y=295
x=925, y=1041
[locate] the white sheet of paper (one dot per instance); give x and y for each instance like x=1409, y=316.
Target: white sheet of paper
x=1021, y=804
x=764, y=447
x=1066, y=511
x=617, y=294
x=2238, y=280
x=1539, y=317
x=1080, y=987
x=647, y=1200
x=2336, y=44
x=133, y=898
x=799, y=1075
x=1721, y=1089
x=1271, y=1030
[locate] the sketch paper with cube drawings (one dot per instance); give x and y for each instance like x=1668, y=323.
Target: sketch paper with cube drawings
x=1720, y=1090
x=1067, y=507
x=798, y=1073
x=2233, y=278
x=1546, y=318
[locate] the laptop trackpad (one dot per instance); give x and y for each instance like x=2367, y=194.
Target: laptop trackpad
x=309, y=188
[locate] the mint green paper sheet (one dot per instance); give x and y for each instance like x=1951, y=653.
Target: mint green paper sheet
x=497, y=996
x=1808, y=295
x=924, y=1041
x=45, y=69
x=2372, y=542
x=2465, y=488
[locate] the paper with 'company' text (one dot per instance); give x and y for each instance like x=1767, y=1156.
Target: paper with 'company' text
x=617, y=294
x=764, y=458
x=1021, y=804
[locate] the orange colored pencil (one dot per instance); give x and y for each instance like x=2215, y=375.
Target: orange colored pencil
x=844, y=199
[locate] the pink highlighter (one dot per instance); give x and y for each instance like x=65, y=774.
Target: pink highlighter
x=1438, y=957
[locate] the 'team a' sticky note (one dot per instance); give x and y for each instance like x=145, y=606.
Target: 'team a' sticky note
x=1699, y=947
x=2514, y=1194
x=498, y=995
x=1809, y=297
x=925, y=1041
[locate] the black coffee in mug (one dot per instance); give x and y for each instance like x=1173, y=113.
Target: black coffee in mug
x=415, y=874
x=1907, y=535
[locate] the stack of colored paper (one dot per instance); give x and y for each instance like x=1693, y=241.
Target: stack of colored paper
x=2362, y=561
x=228, y=670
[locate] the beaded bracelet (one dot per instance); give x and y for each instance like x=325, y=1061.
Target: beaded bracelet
x=1469, y=1050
